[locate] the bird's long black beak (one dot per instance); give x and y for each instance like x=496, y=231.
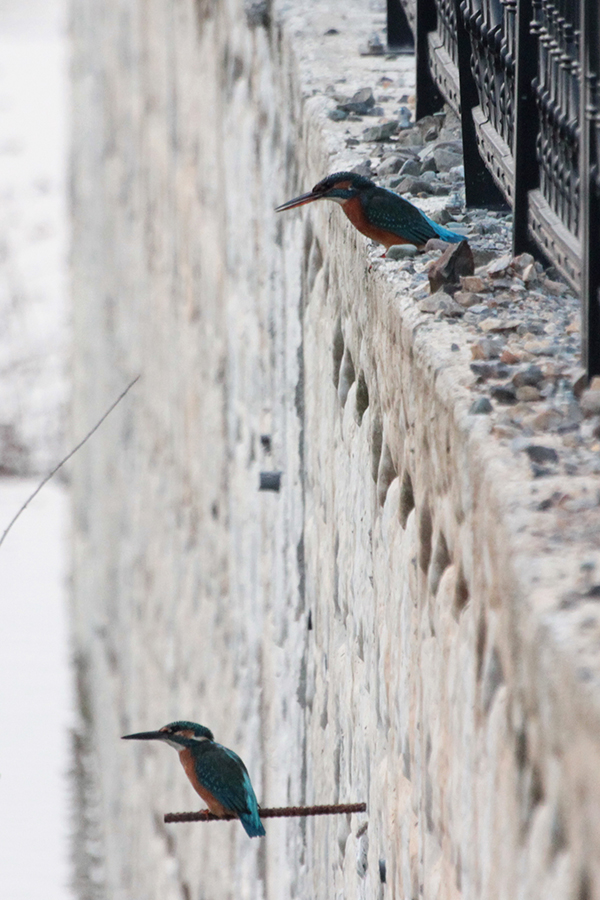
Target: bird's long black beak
x=299, y=201
x=145, y=736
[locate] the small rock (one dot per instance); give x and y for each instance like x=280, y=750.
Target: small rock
x=428, y=166
x=528, y=393
x=449, y=309
x=595, y=383
x=467, y=299
x=373, y=47
x=411, y=167
x=530, y=328
x=485, y=370
x=360, y=103
x=486, y=349
x=401, y=251
x=532, y=375
x=522, y=261
x=413, y=185
x=436, y=244
x=505, y=431
x=446, y=159
x=529, y=274
x=481, y=407
x=590, y=403
x=472, y=283
x=481, y=258
x=454, y=262
x=573, y=327
x=536, y=347
x=393, y=165
x=444, y=216
x=504, y=394
x=493, y=324
x=509, y=357
x=337, y=115
x=410, y=137
x=431, y=304
x=557, y=288
x=404, y=117
x=540, y=455
x=547, y=420
x=380, y=132
x=364, y=168
x=421, y=292
x=499, y=266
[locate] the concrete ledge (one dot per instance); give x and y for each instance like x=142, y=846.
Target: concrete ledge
x=404, y=622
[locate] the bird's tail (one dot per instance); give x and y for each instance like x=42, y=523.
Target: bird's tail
x=251, y=822
x=446, y=235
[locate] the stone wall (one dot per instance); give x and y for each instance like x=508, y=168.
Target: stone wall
x=392, y=625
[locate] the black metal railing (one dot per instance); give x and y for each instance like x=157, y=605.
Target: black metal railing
x=524, y=76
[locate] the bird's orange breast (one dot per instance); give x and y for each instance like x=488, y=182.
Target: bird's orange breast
x=356, y=214
x=187, y=761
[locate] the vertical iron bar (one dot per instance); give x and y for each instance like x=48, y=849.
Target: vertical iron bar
x=399, y=35
x=526, y=128
x=429, y=100
x=590, y=181
x=480, y=187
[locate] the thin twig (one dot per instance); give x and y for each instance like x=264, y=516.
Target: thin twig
x=67, y=458
x=333, y=809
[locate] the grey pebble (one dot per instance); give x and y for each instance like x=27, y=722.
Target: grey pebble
x=481, y=407
x=392, y=165
x=401, y=251
x=411, y=167
x=531, y=376
x=540, y=455
x=404, y=119
x=380, y=132
x=504, y=393
x=446, y=159
x=485, y=370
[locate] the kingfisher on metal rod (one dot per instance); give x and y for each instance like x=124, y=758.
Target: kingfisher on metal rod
x=216, y=773
x=379, y=214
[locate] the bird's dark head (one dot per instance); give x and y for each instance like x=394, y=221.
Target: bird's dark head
x=176, y=734
x=340, y=186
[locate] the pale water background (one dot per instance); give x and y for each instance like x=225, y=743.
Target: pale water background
x=35, y=680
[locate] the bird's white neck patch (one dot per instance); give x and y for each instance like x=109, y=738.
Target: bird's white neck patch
x=190, y=737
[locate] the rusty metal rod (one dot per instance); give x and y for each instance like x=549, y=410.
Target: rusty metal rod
x=333, y=809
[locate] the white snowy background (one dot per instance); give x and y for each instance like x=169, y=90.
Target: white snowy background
x=35, y=681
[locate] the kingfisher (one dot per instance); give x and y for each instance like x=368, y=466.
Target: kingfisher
x=380, y=214
x=216, y=773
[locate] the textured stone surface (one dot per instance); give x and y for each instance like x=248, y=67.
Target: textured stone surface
x=411, y=620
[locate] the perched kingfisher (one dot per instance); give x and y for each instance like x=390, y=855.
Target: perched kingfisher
x=380, y=214
x=216, y=773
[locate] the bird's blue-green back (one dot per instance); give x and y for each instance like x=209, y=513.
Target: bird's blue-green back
x=223, y=773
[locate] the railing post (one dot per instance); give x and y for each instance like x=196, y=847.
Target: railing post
x=429, y=99
x=589, y=168
x=480, y=187
x=526, y=127
x=399, y=35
